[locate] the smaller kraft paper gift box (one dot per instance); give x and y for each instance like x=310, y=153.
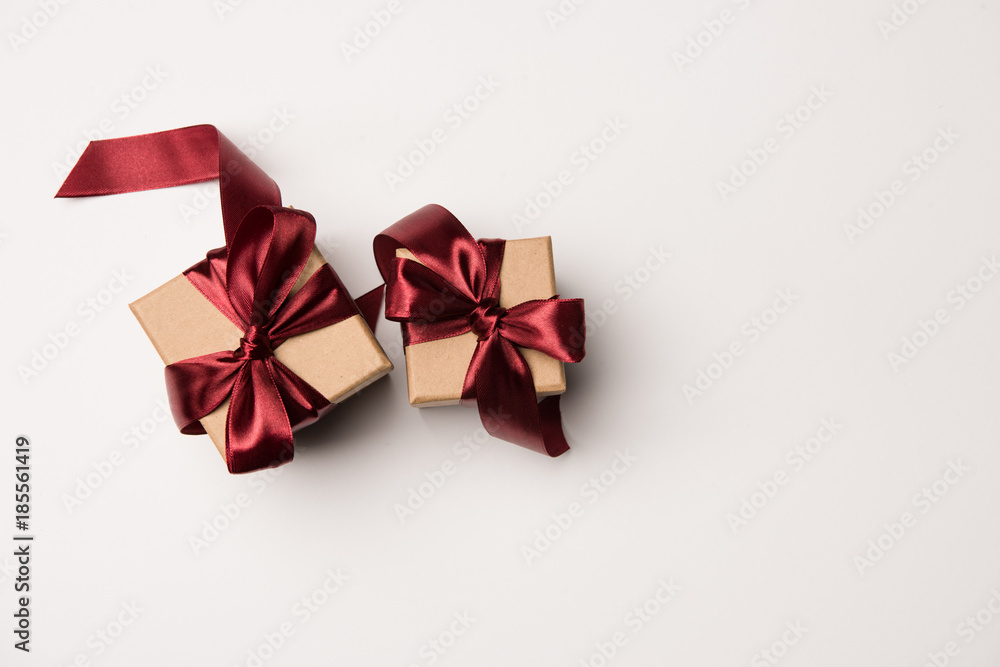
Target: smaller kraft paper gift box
x=435, y=369
x=482, y=323
x=260, y=338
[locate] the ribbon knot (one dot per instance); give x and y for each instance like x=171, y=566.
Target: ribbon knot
x=485, y=319
x=255, y=344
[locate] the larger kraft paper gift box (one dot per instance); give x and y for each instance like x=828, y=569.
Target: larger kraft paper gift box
x=338, y=360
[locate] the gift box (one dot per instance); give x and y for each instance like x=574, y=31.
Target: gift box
x=435, y=370
x=338, y=360
x=481, y=323
x=260, y=338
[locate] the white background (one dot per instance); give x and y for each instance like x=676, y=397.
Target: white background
x=126, y=539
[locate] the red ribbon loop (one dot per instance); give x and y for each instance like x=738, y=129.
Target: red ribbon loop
x=456, y=289
x=249, y=281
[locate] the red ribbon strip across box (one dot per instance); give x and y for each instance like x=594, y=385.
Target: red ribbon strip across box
x=481, y=323
x=260, y=338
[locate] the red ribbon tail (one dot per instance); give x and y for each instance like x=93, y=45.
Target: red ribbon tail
x=500, y=381
x=145, y=162
x=552, y=433
x=370, y=304
x=258, y=431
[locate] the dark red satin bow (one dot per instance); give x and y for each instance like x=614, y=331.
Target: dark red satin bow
x=251, y=287
x=457, y=290
x=249, y=281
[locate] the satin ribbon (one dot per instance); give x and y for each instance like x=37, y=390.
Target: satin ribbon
x=456, y=289
x=249, y=281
